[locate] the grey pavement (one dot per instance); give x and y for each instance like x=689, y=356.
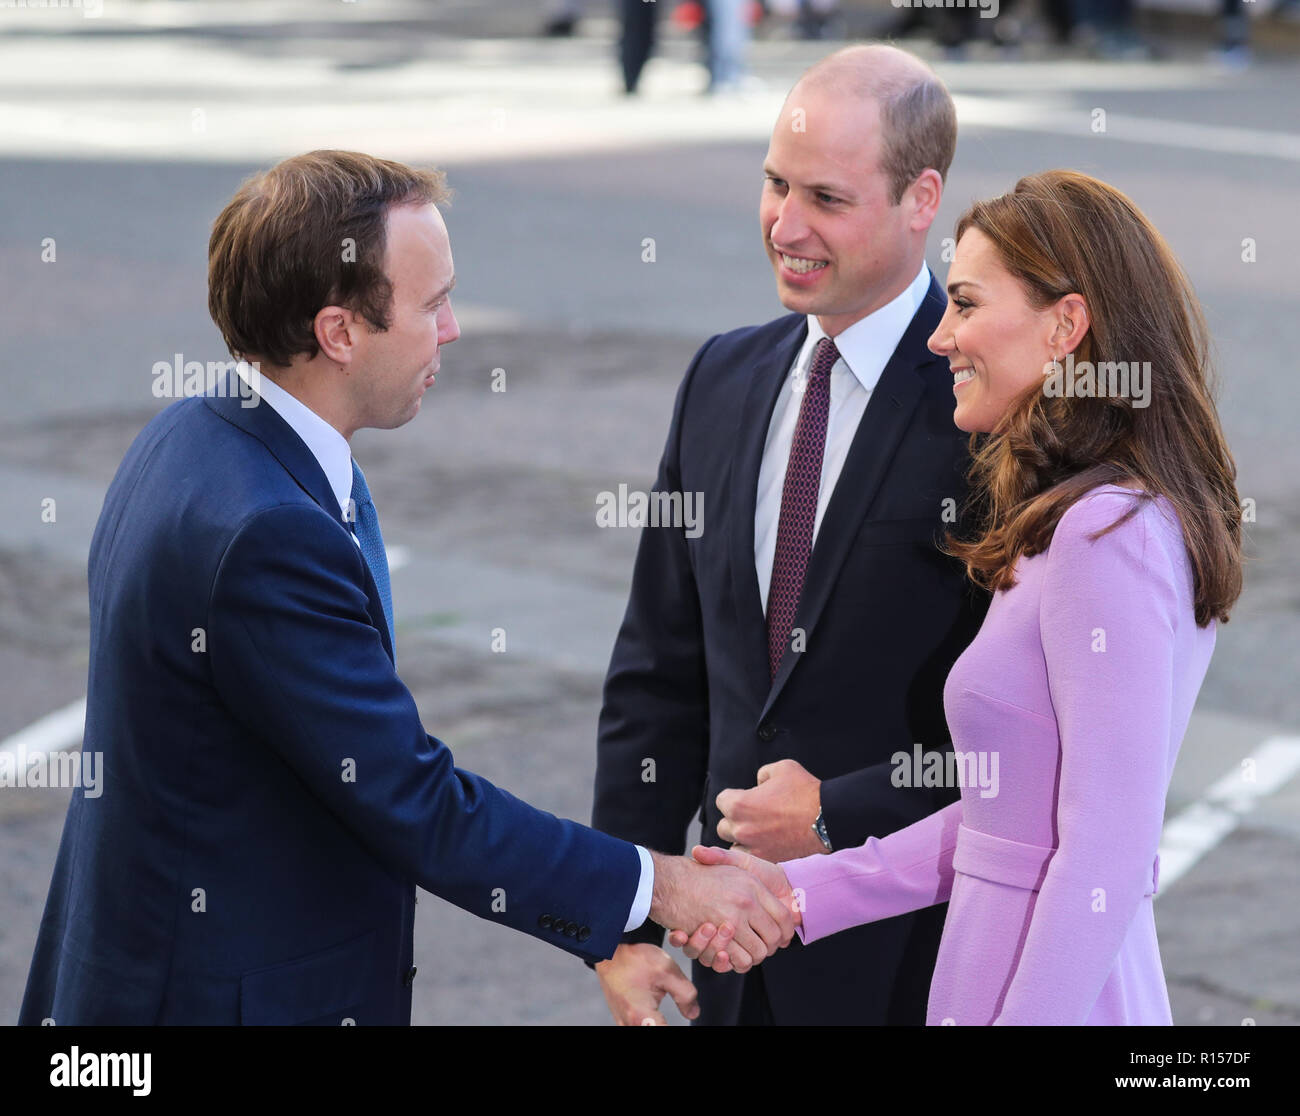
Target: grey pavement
x=122, y=141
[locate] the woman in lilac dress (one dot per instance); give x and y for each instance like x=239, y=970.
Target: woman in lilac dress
x=1110, y=534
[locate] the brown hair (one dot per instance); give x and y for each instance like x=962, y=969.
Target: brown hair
x=308, y=233
x=918, y=121
x=919, y=131
x=1062, y=233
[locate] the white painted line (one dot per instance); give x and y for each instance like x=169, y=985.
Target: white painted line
x=1063, y=120
x=54, y=732
x=1205, y=823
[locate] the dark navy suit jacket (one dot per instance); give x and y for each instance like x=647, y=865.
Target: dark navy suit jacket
x=270, y=799
x=885, y=616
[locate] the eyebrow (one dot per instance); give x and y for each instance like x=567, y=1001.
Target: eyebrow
x=439, y=294
x=820, y=187
x=953, y=288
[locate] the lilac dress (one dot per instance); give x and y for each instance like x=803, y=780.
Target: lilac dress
x=1080, y=685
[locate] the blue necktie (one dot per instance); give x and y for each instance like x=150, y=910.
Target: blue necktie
x=372, y=542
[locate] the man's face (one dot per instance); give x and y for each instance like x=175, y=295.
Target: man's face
x=396, y=367
x=826, y=203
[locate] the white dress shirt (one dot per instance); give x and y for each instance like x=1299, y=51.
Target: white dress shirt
x=331, y=450
x=865, y=348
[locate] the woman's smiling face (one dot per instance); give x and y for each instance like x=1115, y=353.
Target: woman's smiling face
x=996, y=343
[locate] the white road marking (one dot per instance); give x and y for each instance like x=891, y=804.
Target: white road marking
x=1219, y=811
x=55, y=732
x=1029, y=116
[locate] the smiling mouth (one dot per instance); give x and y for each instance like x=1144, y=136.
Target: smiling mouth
x=961, y=375
x=800, y=265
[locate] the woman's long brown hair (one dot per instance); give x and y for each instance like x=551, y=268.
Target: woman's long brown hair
x=1062, y=233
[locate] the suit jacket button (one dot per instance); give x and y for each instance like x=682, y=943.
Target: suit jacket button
x=544, y=922
x=571, y=929
x=767, y=732
x=409, y=978
x=584, y=932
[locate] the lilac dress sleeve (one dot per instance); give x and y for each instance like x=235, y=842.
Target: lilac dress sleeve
x=905, y=871
x=1107, y=622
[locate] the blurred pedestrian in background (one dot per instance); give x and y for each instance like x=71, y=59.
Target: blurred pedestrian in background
x=1105, y=28
x=813, y=19
x=726, y=28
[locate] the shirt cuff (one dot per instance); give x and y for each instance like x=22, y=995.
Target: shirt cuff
x=644, y=891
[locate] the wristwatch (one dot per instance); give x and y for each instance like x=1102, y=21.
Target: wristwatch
x=819, y=828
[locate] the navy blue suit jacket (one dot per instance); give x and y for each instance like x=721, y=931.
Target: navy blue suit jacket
x=885, y=616
x=270, y=800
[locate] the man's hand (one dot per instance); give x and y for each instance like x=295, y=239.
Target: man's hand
x=713, y=949
x=773, y=820
x=635, y=981
x=687, y=895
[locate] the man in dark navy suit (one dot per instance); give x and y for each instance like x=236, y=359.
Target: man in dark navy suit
x=270, y=799
x=776, y=663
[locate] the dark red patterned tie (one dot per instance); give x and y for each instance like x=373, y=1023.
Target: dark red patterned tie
x=803, y=478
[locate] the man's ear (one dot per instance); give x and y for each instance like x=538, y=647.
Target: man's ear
x=336, y=329
x=923, y=197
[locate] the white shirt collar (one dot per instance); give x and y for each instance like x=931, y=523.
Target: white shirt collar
x=327, y=445
x=867, y=345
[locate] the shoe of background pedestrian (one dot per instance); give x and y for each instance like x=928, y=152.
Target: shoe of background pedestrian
x=812, y=26
x=1233, y=56
x=560, y=27
x=1122, y=44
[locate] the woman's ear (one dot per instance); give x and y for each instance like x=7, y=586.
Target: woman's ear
x=1070, y=323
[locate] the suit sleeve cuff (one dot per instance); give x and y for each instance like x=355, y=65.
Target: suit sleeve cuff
x=645, y=890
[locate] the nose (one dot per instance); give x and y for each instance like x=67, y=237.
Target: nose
x=941, y=341
x=790, y=227
x=448, y=327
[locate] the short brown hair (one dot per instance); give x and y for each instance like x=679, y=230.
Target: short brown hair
x=918, y=120
x=919, y=130
x=308, y=233
x=1059, y=233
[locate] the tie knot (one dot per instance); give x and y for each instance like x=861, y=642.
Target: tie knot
x=824, y=358
x=360, y=497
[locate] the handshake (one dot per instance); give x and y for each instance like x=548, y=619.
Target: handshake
x=727, y=908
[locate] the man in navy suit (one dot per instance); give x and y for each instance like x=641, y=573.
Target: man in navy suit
x=270, y=799
x=777, y=663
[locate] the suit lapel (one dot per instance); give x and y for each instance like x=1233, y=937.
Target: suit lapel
x=264, y=423
x=760, y=400
x=888, y=413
